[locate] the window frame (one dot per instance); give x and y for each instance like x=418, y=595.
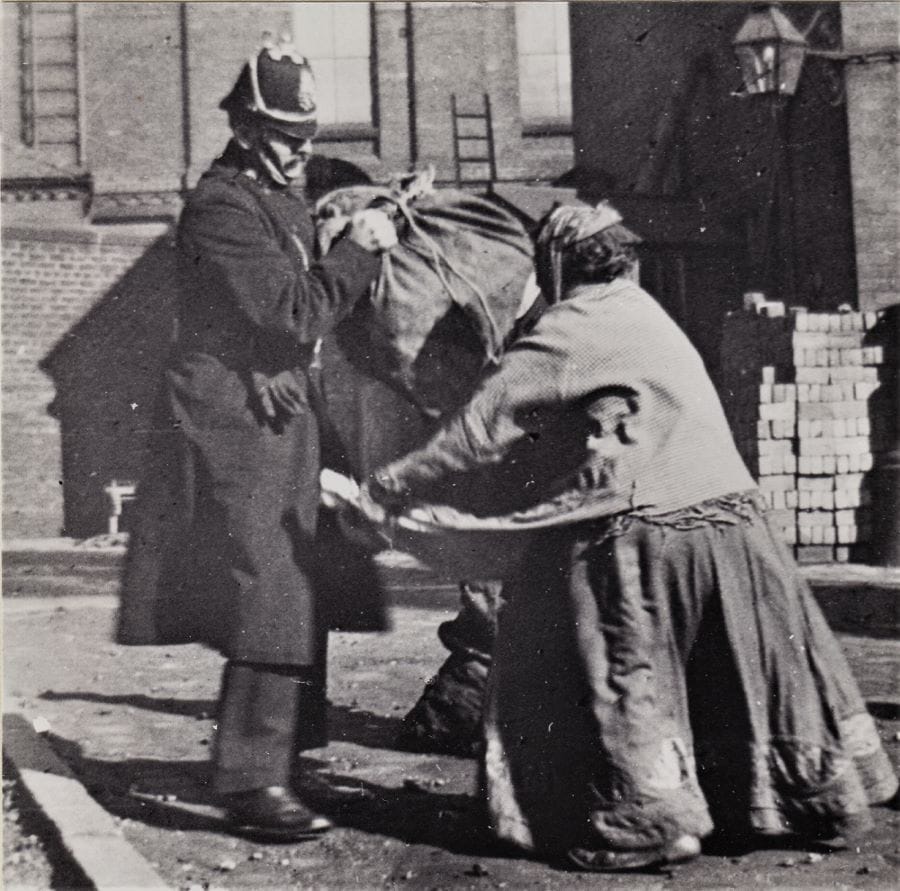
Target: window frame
x=351, y=131
x=543, y=125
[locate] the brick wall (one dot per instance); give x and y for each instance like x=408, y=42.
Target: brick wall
x=470, y=49
x=811, y=401
x=85, y=320
x=154, y=73
x=88, y=316
x=873, y=123
x=132, y=92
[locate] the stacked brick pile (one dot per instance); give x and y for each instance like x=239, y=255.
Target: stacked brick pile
x=802, y=394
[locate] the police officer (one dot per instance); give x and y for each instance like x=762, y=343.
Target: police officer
x=227, y=557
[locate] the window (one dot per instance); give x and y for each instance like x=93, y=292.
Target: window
x=337, y=40
x=545, y=64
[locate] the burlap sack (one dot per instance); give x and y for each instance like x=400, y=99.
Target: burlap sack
x=447, y=295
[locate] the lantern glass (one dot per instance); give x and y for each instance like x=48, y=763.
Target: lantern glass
x=789, y=68
x=758, y=66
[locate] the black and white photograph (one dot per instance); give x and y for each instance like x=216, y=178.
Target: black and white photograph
x=450, y=445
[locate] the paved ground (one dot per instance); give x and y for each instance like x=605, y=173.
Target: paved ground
x=135, y=725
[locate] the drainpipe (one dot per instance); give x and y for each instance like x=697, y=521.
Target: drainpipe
x=887, y=473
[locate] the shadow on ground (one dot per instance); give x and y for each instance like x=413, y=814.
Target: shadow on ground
x=884, y=711
x=177, y=795
x=345, y=724
x=195, y=708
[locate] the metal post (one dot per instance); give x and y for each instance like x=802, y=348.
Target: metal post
x=784, y=198
x=80, y=106
x=886, y=475
x=186, y=143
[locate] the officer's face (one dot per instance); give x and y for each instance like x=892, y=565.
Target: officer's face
x=292, y=152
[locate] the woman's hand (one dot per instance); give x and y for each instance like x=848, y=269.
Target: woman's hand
x=365, y=523
x=369, y=507
x=360, y=519
x=385, y=492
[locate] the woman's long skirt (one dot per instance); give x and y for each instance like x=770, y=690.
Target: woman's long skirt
x=655, y=676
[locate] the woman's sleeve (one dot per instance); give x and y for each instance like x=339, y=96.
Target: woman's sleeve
x=529, y=381
x=589, y=371
x=237, y=259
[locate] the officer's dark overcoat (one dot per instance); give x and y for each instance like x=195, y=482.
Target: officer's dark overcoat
x=223, y=549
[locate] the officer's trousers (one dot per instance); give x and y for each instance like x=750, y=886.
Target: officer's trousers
x=267, y=715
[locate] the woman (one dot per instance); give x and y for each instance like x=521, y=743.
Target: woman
x=662, y=671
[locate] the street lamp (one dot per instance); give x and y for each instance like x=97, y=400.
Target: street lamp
x=770, y=51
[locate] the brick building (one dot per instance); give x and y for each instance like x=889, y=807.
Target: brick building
x=111, y=112
x=795, y=197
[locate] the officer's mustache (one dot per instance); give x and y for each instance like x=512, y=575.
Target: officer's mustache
x=252, y=140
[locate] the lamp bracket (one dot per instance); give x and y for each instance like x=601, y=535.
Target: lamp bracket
x=830, y=46
x=889, y=54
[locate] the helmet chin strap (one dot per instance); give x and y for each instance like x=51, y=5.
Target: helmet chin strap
x=253, y=141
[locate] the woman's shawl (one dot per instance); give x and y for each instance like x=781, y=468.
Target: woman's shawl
x=604, y=408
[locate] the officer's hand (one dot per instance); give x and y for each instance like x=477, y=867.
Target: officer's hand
x=284, y=394
x=328, y=230
x=373, y=230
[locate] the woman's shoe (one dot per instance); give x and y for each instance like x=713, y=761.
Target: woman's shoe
x=273, y=813
x=686, y=847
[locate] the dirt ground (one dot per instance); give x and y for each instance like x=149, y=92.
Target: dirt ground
x=135, y=724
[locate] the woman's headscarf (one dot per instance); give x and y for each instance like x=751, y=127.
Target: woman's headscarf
x=566, y=225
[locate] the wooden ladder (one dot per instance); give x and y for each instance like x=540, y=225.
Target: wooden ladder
x=49, y=90
x=473, y=144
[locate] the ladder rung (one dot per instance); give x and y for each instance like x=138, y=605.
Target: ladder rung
x=473, y=170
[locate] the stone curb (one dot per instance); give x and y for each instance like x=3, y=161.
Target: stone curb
x=87, y=832
x=855, y=598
